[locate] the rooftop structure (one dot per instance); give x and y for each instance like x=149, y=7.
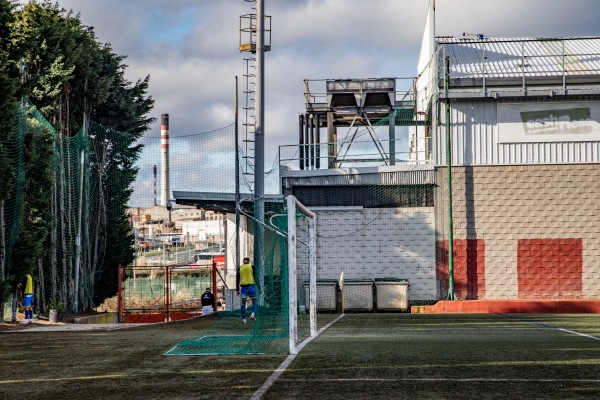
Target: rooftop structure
x=351, y=104
x=501, y=67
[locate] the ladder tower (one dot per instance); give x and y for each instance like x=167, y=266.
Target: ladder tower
x=255, y=38
x=247, y=43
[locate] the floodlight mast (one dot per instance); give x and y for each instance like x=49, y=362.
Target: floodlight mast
x=259, y=152
x=237, y=180
x=253, y=38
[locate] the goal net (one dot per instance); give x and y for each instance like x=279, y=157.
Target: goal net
x=284, y=315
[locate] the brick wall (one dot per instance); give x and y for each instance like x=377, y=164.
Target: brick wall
x=469, y=268
x=533, y=220
x=549, y=268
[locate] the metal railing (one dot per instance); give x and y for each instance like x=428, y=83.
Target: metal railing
x=521, y=63
x=362, y=153
x=316, y=90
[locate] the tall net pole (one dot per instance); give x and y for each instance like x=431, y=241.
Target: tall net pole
x=237, y=181
x=78, y=237
x=451, y=295
x=259, y=167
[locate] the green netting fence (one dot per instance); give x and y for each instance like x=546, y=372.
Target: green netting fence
x=13, y=157
x=269, y=332
x=350, y=239
x=200, y=162
x=91, y=175
x=76, y=195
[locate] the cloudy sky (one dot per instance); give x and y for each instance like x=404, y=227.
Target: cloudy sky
x=190, y=47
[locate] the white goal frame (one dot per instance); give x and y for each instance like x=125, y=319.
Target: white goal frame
x=292, y=205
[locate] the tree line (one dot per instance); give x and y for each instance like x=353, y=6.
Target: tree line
x=48, y=56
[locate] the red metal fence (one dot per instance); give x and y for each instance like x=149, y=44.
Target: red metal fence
x=165, y=293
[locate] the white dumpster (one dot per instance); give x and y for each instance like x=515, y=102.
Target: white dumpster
x=392, y=294
x=358, y=295
x=326, y=295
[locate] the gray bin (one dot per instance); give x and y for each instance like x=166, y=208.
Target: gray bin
x=358, y=295
x=326, y=295
x=392, y=294
x=232, y=300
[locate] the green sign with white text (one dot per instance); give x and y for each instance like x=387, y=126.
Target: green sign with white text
x=562, y=121
x=548, y=122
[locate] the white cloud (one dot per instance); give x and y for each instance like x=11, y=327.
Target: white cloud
x=518, y=18
x=190, y=47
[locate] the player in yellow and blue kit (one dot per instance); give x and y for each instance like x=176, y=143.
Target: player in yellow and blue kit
x=28, y=299
x=245, y=287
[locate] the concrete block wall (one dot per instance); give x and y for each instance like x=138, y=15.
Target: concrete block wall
x=540, y=225
x=377, y=243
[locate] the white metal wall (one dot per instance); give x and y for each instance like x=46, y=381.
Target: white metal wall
x=378, y=243
x=475, y=140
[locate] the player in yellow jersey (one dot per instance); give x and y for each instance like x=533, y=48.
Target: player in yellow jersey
x=245, y=287
x=28, y=299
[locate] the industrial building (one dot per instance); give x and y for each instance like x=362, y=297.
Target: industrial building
x=518, y=121
x=522, y=116
x=524, y=122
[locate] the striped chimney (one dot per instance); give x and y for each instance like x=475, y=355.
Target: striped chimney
x=155, y=171
x=164, y=147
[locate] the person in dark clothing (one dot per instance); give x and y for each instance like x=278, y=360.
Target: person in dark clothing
x=208, y=302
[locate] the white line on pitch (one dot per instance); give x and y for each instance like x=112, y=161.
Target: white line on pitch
x=579, y=334
x=281, y=369
x=439, y=380
x=557, y=328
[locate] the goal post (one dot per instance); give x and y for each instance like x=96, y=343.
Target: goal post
x=293, y=205
x=341, y=285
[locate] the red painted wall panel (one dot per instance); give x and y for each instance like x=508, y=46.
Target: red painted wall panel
x=550, y=268
x=154, y=318
x=469, y=268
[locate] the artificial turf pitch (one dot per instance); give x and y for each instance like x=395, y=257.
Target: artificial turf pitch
x=362, y=356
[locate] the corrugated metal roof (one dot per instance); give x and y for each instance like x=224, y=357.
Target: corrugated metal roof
x=389, y=175
x=521, y=57
x=219, y=202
